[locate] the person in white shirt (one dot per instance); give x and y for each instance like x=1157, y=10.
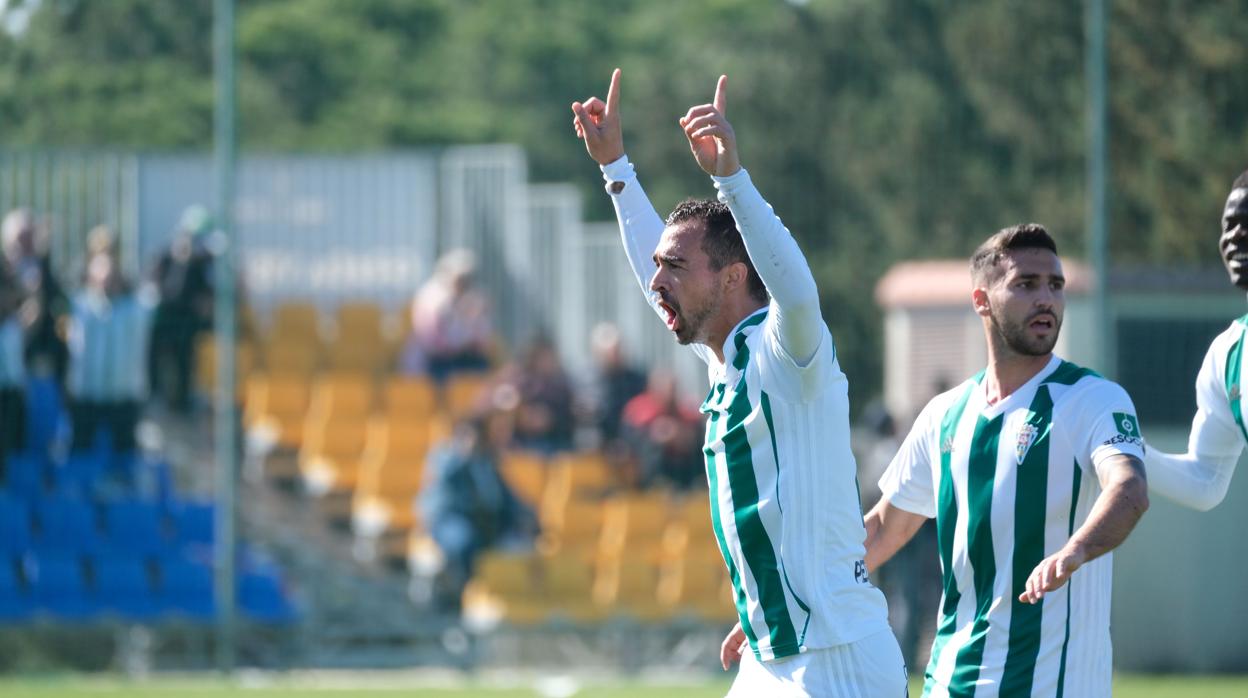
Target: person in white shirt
x=1200, y=477
x=1032, y=469
x=728, y=278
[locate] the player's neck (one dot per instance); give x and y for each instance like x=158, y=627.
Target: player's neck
x=727, y=321
x=1008, y=371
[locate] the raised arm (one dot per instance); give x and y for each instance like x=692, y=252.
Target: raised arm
x=1123, y=500
x=598, y=124
x=775, y=254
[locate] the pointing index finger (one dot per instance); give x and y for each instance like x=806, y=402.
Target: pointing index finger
x=613, y=92
x=721, y=90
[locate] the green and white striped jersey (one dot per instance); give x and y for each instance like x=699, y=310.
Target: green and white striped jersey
x=784, y=494
x=1008, y=484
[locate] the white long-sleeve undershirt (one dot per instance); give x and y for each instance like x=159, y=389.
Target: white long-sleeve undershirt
x=780, y=264
x=1200, y=477
x=775, y=254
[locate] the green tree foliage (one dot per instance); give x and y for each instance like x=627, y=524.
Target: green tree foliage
x=880, y=129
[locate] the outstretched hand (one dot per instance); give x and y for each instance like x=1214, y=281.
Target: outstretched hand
x=711, y=138
x=598, y=124
x=1052, y=572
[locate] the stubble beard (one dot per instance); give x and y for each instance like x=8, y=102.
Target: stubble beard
x=1014, y=336
x=693, y=328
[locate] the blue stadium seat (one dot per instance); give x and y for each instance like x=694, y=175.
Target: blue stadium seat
x=66, y=525
x=193, y=522
x=262, y=598
x=81, y=472
x=45, y=414
x=14, y=526
x=124, y=587
x=58, y=586
x=15, y=603
x=186, y=589
x=25, y=474
x=134, y=527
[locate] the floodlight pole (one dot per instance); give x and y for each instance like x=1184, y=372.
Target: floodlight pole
x=1096, y=75
x=225, y=423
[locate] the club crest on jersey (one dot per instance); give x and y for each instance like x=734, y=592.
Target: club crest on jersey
x=1234, y=394
x=1026, y=437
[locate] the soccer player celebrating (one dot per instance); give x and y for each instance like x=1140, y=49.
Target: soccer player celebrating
x=728, y=278
x=1200, y=477
x=1032, y=470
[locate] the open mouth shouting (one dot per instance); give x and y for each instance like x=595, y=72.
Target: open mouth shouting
x=671, y=314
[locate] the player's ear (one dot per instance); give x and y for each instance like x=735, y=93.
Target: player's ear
x=736, y=274
x=979, y=301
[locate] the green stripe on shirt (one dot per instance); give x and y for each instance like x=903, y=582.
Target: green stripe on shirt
x=1030, y=503
x=946, y=524
x=980, y=475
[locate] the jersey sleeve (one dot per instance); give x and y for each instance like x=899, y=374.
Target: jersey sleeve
x=909, y=483
x=1214, y=430
x=640, y=229
x=1105, y=425
x=794, y=381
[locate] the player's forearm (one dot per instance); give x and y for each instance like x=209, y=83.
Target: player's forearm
x=779, y=262
x=1113, y=516
x=640, y=224
x=1196, y=481
x=888, y=530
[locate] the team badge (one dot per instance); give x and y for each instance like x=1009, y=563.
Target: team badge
x=1026, y=437
x=1234, y=394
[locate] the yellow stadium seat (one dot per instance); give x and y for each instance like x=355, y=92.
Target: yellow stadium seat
x=584, y=474
x=331, y=455
x=206, y=364
x=508, y=586
x=525, y=473
x=391, y=476
x=646, y=520
x=342, y=394
x=464, y=393
x=292, y=357
x=296, y=321
x=276, y=407
x=359, y=355
x=362, y=321
x=634, y=591
x=568, y=585
x=411, y=396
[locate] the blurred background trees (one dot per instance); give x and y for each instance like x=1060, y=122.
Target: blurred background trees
x=879, y=130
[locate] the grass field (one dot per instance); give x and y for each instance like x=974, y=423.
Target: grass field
x=1137, y=686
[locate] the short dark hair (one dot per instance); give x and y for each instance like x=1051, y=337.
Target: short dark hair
x=1024, y=236
x=721, y=241
x=1241, y=182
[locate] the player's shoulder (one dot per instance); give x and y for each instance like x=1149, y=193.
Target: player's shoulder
x=1081, y=387
x=936, y=408
x=1228, y=337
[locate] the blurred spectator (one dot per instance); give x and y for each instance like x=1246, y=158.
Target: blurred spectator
x=12, y=368
x=911, y=578
x=667, y=435
x=544, y=420
x=467, y=505
x=451, y=326
x=184, y=283
x=45, y=305
x=108, y=342
x=615, y=383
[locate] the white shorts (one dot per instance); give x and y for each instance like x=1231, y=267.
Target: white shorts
x=869, y=668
